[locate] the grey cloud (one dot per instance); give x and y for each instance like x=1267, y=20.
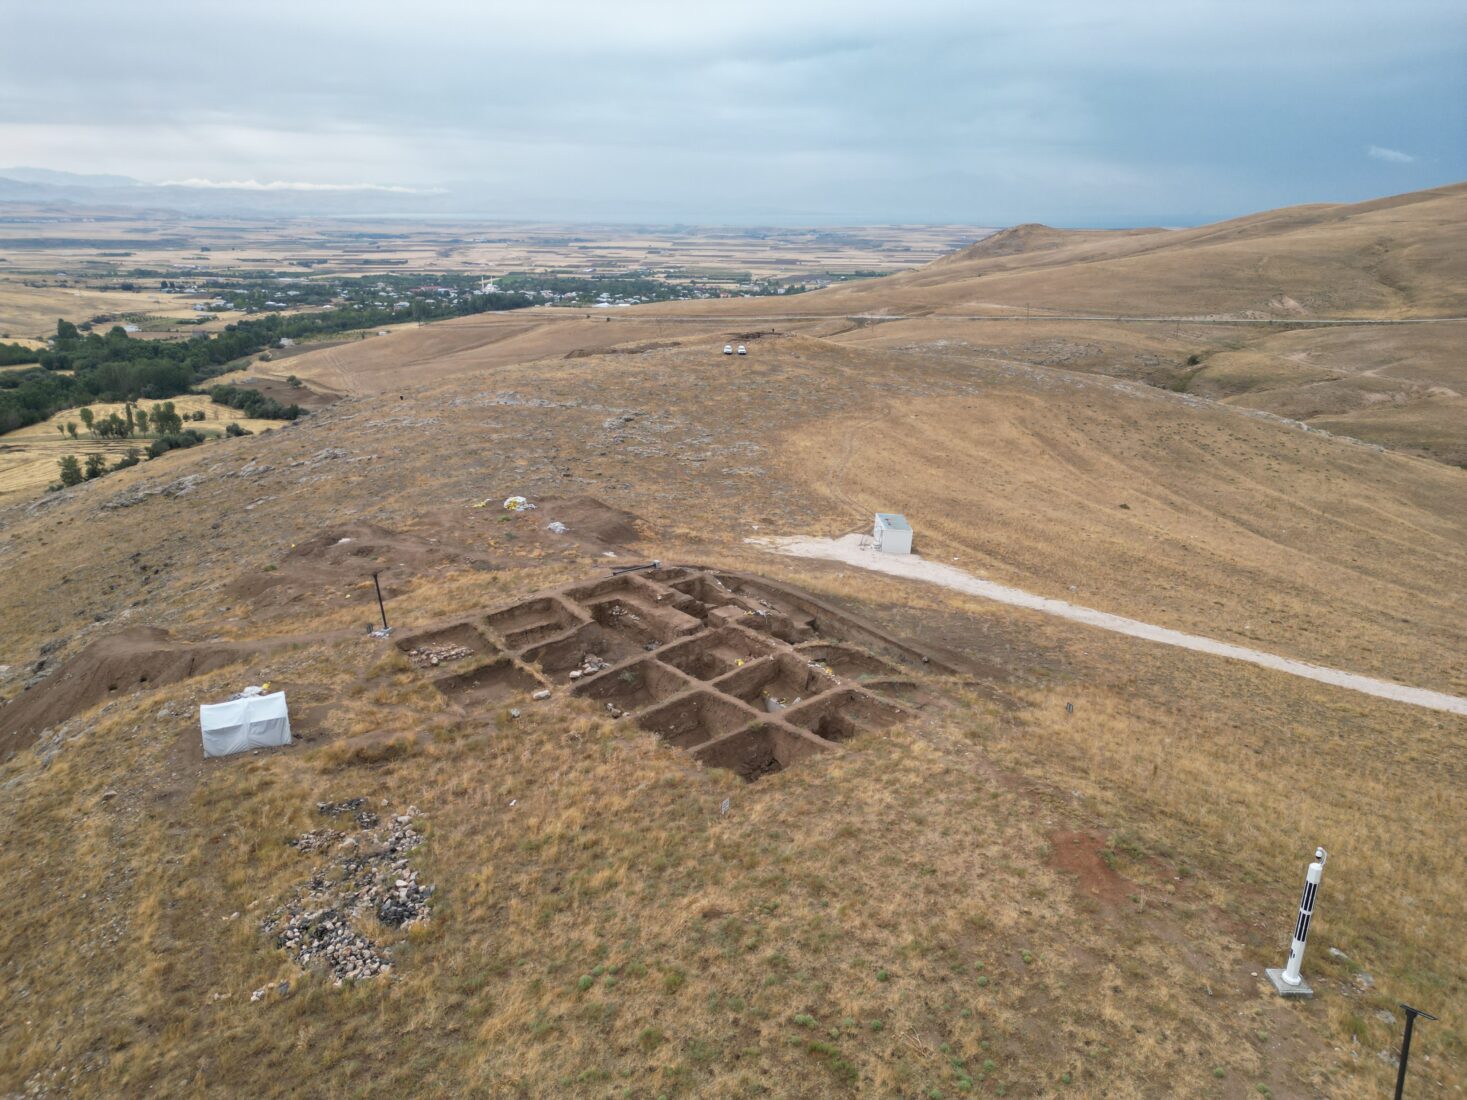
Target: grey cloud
x=1059, y=110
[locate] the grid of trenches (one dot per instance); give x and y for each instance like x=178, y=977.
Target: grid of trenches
x=742, y=672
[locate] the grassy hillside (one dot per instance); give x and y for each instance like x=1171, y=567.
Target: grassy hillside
x=1062, y=875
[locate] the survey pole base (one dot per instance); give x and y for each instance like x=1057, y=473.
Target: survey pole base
x=1276, y=975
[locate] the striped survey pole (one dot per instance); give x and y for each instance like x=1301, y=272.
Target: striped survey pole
x=1287, y=980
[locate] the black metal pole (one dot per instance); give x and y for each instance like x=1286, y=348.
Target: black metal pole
x=380, y=607
x=1411, y=1014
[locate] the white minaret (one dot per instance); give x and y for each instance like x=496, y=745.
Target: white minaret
x=1287, y=980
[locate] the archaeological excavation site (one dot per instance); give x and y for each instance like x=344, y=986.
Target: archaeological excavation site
x=740, y=671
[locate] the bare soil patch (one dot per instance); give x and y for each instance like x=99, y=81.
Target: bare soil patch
x=138, y=658
x=1081, y=853
x=326, y=566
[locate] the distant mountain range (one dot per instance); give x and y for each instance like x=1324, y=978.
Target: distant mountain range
x=47, y=186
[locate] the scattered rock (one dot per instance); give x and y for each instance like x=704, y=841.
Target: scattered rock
x=323, y=923
x=315, y=840
x=543, y=693
x=1387, y=1017
x=366, y=819
x=176, y=488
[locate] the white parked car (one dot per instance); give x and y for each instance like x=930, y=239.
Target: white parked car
x=743, y=350
x=727, y=349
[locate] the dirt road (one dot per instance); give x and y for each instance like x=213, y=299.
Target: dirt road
x=848, y=550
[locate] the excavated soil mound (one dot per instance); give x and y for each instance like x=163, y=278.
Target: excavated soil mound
x=588, y=521
x=140, y=657
x=333, y=561
x=1081, y=854
x=630, y=349
x=363, y=547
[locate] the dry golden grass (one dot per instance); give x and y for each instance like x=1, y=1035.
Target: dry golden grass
x=32, y=311
x=1395, y=257
x=598, y=923
x=860, y=923
x=1260, y=788
x=1159, y=511
x=1433, y=427
x=599, y=929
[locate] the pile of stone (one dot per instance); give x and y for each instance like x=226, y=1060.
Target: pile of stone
x=315, y=840
x=365, y=818
x=329, y=921
x=590, y=666
x=430, y=656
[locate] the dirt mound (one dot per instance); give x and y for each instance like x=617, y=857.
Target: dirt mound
x=338, y=559
x=629, y=349
x=1082, y=854
x=140, y=657
x=589, y=522
x=365, y=547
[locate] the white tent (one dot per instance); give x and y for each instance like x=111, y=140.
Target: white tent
x=242, y=724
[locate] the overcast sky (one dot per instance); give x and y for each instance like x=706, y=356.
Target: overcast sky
x=1072, y=112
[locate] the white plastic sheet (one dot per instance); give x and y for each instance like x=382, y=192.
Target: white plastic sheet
x=239, y=725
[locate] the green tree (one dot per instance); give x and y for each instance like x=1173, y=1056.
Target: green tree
x=71, y=428
x=86, y=417
x=71, y=472
x=166, y=420
x=96, y=465
x=111, y=426
x=66, y=333
x=141, y=417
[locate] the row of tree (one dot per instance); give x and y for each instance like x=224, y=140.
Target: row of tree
x=74, y=472
x=164, y=419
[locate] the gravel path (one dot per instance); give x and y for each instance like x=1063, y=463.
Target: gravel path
x=849, y=550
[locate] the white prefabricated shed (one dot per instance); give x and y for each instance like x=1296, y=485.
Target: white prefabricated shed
x=260, y=722
x=892, y=533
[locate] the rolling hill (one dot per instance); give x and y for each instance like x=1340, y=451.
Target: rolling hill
x=1062, y=871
